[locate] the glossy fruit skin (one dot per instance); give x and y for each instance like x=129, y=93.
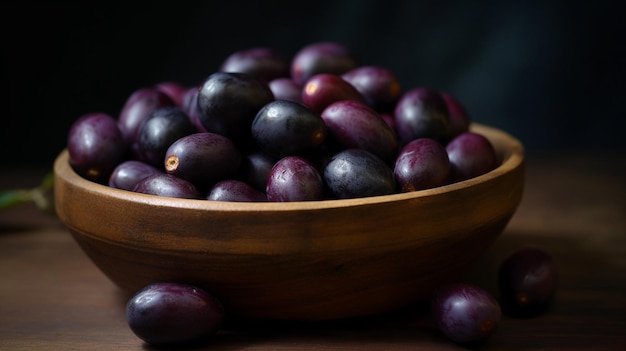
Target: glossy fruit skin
x=354, y=173
x=527, y=279
x=163, y=127
x=256, y=169
x=286, y=89
x=355, y=125
x=459, y=118
x=321, y=57
x=470, y=155
x=203, y=159
x=323, y=89
x=284, y=128
x=421, y=113
x=465, y=313
x=379, y=86
x=294, y=178
x=189, y=105
x=167, y=185
x=263, y=63
x=422, y=164
x=173, y=314
x=128, y=173
x=174, y=90
x=228, y=102
x=138, y=106
x=235, y=191
x=96, y=146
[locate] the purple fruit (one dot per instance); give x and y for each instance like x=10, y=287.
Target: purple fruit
x=164, y=126
x=323, y=89
x=173, y=314
x=167, y=185
x=284, y=128
x=422, y=164
x=174, y=90
x=286, y=89
x=353, y=124
x=470, y=155
x=354, y=173
x=379, y=85
x=203, y=159
x=293, y=178
x=130, y=172
x=96, y=146
x=235, y=191
x=321, y=57
x=228, y=102
x=528, y=280
x=139, y=105
x=263, y=63
x=459, y=118
x=421, y=113
x=465, y=313
x=256, y=169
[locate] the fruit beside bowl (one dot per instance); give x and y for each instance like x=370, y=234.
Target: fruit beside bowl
x=302, y=260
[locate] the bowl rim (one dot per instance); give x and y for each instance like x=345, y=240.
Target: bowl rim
x=509, y=149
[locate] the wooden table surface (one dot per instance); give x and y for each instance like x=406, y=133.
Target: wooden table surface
x=53, y=298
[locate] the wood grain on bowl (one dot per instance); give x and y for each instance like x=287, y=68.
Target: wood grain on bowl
x=314, y=260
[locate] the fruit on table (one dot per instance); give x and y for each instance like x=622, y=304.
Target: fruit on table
x=528, y=280
x=173, y=314
x=465, y=313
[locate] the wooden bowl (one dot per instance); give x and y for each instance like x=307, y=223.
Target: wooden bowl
x=316, y=260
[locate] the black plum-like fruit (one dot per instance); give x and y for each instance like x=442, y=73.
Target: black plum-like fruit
x=262, y=63
x=283, y=128
x=167, y=185
x=465, y=313
x=422, y=164
x=528, y=280
x=128, y=173
x=379, y=86
x=286, y=89
x=294, y=178
x=228, y=102
x=203, y=159
x=353, y=124
x=235, y=191
x=421, y=113
x=96, y=146
x=354, y=173
x=256, y=169
x=138, y=106
x=163, y=127
x=323, y=89
x=321, y=57
x=173, y=314
x=470, y=155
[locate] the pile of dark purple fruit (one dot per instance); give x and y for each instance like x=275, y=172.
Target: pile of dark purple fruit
x=264, y=128
x=316, y=127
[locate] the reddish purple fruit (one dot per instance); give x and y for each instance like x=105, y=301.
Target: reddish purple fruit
x=323, y=89
x=167, y=185
x=293, y=178
x=321, y=57
x=235, y=191
x=263, y=63
x=470, y=155
x=379, y=85
x=421, y=113
x=465, y=313
x=130, y=172
x=459, y=118
x=422, y=164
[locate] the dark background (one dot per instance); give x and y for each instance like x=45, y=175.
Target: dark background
x=549, y=72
